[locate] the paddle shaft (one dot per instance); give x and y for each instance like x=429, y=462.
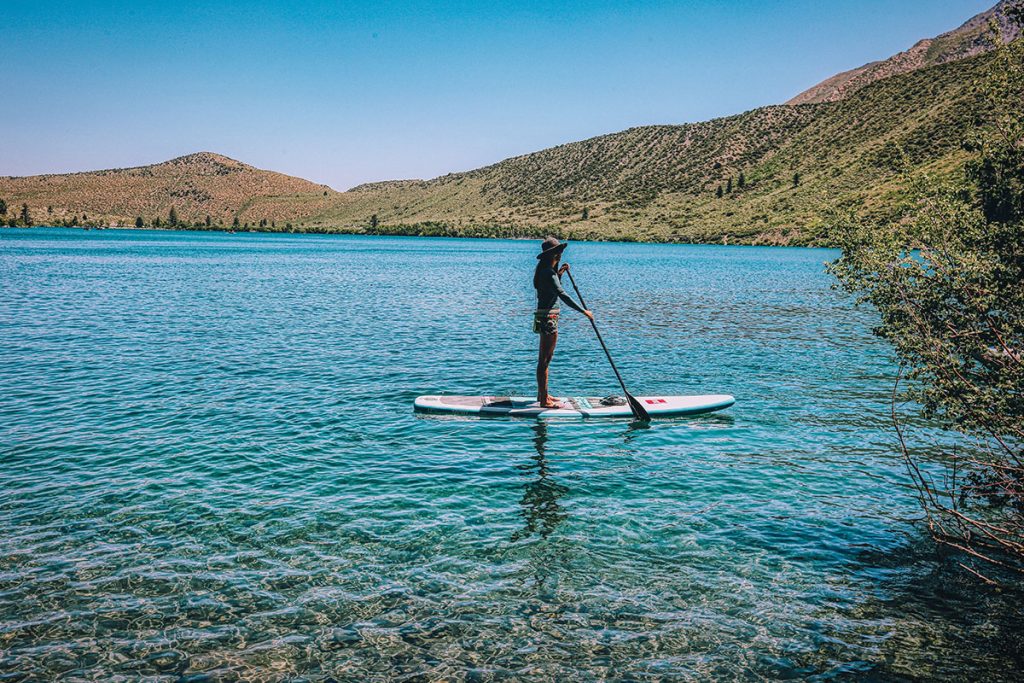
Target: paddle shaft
x=638, y=410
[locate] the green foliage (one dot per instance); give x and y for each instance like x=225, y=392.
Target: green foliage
x=209, y=221
x=235, y=223
x=796, y=179
x=172, y=218
x=719, y=192
x=26, y=216
x=586, y=214
x=139, y=223
x=742, y=181
x=374, y=222
x=728, y=186
x=946, y=279
x=156, y=222
x=3, y=207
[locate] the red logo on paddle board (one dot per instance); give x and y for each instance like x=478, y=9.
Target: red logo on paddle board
x=652, y=401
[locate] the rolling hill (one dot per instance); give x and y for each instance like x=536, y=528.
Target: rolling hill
x=661, y=182
x=196, y=185
x=764, y=176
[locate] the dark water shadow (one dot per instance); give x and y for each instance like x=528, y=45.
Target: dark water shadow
x=634, y=425
x=541, y=510
x=926, y=618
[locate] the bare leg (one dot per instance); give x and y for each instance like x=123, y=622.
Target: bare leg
x=547, y=352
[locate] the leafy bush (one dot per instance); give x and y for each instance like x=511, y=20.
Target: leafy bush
x=947, y=283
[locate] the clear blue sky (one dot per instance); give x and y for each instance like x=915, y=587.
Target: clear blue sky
x=344, y=93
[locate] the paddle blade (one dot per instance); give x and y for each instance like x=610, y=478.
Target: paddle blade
x=639, y=412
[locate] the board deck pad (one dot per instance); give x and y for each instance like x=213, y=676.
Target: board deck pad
x=572, y=406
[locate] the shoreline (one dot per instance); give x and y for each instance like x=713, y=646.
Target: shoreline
x=412, y=232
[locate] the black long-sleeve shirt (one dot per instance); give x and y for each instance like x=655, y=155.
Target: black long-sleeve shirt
x=549, y=289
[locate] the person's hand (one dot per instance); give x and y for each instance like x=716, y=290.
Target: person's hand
x=564, y=269
x=589, y=315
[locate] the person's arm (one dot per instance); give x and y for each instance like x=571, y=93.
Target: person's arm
x=563, y=295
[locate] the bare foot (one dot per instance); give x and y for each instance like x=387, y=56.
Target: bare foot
x=552, y=403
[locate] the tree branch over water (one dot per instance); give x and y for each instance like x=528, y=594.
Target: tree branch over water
x=946, y=280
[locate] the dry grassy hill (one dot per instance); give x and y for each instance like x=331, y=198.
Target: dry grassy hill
x=197, y=185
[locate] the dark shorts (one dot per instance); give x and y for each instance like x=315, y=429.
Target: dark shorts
x=545, y=321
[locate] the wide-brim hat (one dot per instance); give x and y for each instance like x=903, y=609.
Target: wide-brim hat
x=550, y=247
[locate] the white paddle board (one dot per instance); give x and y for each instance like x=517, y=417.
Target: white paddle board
x=574, y=406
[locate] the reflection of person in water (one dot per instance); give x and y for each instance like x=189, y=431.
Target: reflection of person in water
x=540, y=495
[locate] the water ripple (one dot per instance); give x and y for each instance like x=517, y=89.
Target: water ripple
x=211, y=471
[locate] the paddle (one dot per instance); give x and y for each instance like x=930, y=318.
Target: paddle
x=639, y=412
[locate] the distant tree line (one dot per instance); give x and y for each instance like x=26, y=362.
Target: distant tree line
x=22, y=219
x=175, y=221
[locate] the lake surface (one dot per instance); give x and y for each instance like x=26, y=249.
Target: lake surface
x=211, y=470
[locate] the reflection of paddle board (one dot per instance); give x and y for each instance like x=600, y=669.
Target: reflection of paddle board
x=575, y=406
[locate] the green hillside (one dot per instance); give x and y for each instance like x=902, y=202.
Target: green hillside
x=660, y=182
x=781, y=169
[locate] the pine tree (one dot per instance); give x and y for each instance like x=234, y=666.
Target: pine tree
x=742, y=182
x=586, y=214
x=796, y=179
x=209, y=221
x=374, y=222
x=26, y=217
x=718, y=192
x=3, y=208
x=156, y=222
x=139, y=222
x=235, y=223
x=728, y=186
x=172, y=218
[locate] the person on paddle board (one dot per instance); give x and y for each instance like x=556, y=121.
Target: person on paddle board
x=548, y=283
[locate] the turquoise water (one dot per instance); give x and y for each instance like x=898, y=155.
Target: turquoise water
x=211, y=470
